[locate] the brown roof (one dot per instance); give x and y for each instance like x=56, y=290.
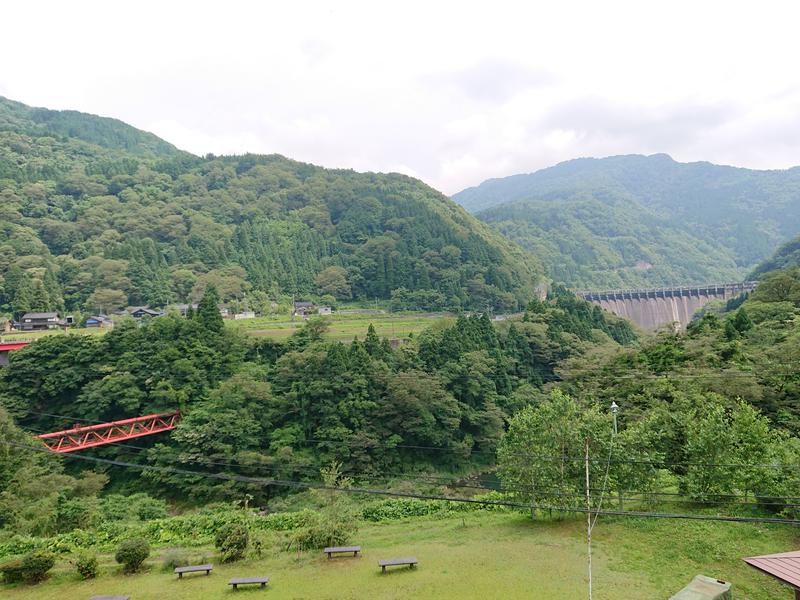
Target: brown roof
x=784, y=566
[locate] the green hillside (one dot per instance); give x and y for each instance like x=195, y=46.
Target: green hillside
x=642, y=220
x=788, y=255
x=97, y=215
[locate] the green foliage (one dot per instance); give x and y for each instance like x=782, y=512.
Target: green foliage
x=174, y=558
x=208, y=314
x=31, y=568
x=96, y=214
x=86, y=565
x=537, y=455
x=132, y=553
x=231, y=540
x=637, y=221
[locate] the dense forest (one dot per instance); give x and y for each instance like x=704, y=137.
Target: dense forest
x=642, y=220
x=96, y=215
x=280, y=409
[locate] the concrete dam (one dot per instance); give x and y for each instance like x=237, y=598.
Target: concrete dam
x=654, y=307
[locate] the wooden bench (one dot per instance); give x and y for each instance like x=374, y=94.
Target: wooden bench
x=394, y=562
x=337, y=549
x=193, y=569
x=248, y=581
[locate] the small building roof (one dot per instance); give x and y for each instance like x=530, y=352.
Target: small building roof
x=40, y=315
x=303, y=304
x=784, y=566
x=145, y=309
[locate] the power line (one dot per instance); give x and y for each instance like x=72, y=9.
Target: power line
x=383, y=492
x=526, y=455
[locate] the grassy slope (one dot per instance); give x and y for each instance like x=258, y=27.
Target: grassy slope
x=479, y=555
x=343, y=327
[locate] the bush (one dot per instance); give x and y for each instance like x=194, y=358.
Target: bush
x=132, y=553
x=86, y=565
x=32, y=568
x=231, y=540
x=149, y=509
x=12, y=571
x=173, y=558
x=324, y=531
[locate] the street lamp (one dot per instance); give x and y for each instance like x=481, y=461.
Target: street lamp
x=614, y=411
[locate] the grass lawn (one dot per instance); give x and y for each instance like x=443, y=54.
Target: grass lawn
x=478, y=555
x=342, y=327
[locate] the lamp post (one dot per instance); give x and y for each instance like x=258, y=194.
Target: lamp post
x=614, y=411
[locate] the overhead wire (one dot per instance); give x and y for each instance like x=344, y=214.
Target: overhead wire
x=401, y=494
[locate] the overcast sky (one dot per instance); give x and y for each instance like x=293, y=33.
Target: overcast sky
x=453, y=93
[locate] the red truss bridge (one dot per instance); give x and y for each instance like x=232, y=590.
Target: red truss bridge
x=80, y=438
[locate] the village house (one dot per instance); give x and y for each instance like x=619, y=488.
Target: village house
x=141, y=312
x=35, y=321
x=99, y=321
x=324, y=310
x=245, y=314
x=183, y=309
x=303, y=309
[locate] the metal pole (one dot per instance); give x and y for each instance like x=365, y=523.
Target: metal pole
x=588, y=516
x=614, y=411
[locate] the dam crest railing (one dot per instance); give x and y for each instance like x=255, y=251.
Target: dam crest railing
x=724, y=290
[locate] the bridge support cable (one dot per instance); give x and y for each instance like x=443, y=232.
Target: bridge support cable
x=89, y=436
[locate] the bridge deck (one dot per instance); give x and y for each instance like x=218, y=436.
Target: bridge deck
x=714, y=289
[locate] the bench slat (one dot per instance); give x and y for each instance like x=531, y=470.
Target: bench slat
x=245, y=580
x=397, y=561
x=194, y=568
x=342, y=549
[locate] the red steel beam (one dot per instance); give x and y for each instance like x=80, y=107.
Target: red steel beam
x=89, y=436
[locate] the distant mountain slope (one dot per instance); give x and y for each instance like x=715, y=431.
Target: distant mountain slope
x=788, y=255
x=102, y=131
x=642, y=220
x=96, y=215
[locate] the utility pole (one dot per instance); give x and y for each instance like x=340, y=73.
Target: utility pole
x=614, y=411
x=588, y=515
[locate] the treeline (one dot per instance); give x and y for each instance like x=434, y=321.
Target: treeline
x=284, y=410
x=103, y=221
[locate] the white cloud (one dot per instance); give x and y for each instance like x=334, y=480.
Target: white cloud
x=453, y=92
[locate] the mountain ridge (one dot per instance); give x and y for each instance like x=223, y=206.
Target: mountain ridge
x=690, y=222
x=137, y=221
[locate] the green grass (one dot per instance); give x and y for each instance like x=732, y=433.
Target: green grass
x=342, y=327
x=476, y=555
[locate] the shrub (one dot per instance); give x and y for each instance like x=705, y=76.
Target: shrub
x=149, y=509
x=132, y=553
x=12, y=571
x=86, y=565
x=231, y=540
x=31, y=568
x=323, y=531
x=76, y=513
x=174, y=557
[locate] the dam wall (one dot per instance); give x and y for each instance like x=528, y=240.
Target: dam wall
x=655, y=307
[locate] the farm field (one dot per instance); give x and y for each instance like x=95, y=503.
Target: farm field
x=343, y=327
x=482, y=555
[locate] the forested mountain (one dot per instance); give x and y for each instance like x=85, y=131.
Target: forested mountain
x=97, y=215
x=642, y=220
x=788, y=255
